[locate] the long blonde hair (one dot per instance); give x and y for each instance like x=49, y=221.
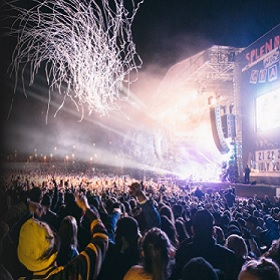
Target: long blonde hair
x=156, y=247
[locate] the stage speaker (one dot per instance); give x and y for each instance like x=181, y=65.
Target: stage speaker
x=217, y=129
x=228, y=125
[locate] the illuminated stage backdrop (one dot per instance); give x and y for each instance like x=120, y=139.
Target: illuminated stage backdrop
x=259, y=66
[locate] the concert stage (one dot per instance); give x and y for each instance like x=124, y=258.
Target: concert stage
x=243, y=190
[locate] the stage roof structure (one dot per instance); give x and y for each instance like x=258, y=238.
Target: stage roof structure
x=211, y=72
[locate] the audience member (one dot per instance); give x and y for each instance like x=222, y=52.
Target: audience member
x=124, y=252
x=181, y=230
x=199, y=268
x=157, y=251
x=36, y=194
x=169, y=228
x=238, y=245
x=274, y=252
x=204, y=245
x=196, y=221
x=167, y=212
x=4, y=273
x=49, y=216
x=38, y=247
x=230, y=197
x=261, y=269
x=150, y=213
x=70, y=208
x=68, y=240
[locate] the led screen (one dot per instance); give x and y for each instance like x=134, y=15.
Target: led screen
x=268, y=111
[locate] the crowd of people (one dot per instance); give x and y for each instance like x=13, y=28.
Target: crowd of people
x=79, y=226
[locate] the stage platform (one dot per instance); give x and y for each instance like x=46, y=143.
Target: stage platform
x=243, y=190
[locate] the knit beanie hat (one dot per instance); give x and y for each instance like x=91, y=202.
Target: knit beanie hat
x=46, y=200
x=203, y=221
x=199, y=268
x=128, y=227
x=37, y=248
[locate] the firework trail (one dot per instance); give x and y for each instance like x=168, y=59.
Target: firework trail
x=86, y=48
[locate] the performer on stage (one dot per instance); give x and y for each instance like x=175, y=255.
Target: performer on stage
x=247, y=171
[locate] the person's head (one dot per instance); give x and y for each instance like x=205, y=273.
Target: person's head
x=93, y=200
x=167, y=211
x=219, y=235
x=252, y=222
x=127, y=207
x=68, y=231
x=203, y=222
x=38, y=245
x=199, y=268
x=271, y=223
x=69, y=198
x=177, y=210
x=274, y=251
x=156, y=248
x=233, y=229
x=225, y=220
x=46, y=200
x=238, y=245
x=262, y=269
x=169, y=228
x=36, y=194
x=181, y=230
x=127, y=231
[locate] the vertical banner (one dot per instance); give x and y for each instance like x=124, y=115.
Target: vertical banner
x=260, y=104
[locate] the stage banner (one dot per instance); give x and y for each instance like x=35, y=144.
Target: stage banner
x=259, y=91
x=268, y=160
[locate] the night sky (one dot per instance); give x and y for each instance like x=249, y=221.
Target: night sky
x=165, y=32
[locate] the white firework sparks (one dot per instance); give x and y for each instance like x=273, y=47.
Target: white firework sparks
x=87, y=49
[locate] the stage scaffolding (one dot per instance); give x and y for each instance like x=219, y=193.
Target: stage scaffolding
x=211, y=72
